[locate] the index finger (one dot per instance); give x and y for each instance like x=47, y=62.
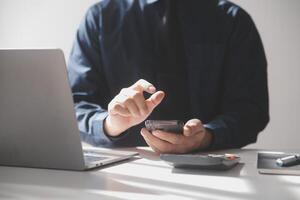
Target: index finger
x=143, y=85
x=172, y=138
x=161, y=145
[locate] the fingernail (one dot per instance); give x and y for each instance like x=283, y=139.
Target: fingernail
x=152, y=89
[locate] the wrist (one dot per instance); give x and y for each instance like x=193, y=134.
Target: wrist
x=207, y=140
x=110, y=129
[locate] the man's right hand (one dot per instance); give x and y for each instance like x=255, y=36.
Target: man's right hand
x=130, y=108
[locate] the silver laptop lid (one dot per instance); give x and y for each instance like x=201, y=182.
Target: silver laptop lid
x=38, y=126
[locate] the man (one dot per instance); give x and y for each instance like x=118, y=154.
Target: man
x=198, y=61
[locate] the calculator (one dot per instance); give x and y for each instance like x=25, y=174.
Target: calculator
x=198, y=161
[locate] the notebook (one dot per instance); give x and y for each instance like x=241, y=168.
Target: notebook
x=266, y=164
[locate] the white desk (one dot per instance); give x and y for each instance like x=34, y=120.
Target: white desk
x=149, y=178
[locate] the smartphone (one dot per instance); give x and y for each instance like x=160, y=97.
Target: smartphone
x=173, y=126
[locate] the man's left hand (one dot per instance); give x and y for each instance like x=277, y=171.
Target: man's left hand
x=194, y=136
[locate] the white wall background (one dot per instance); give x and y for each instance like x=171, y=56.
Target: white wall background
x=40, y=24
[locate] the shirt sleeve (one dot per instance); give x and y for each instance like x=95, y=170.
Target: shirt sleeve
x=87, y=80
x=245, y=101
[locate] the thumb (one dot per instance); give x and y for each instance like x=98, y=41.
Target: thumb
x=154, y=100
x=192, y=127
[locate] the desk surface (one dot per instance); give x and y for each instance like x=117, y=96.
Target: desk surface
x=149, y=178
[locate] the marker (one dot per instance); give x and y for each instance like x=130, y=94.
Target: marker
x=288, y=160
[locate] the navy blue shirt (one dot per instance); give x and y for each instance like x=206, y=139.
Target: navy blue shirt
x=206, y=55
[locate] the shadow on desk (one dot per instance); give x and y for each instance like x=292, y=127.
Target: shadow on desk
x=48, y=181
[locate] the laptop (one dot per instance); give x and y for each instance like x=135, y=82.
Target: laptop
x=38, y=126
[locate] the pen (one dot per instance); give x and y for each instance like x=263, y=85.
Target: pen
x=288, y=160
